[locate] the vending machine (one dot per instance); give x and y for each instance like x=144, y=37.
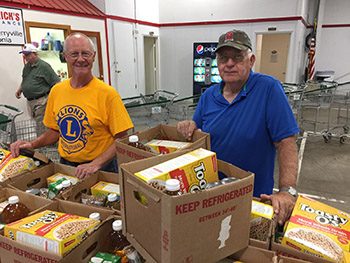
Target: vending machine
x=205, y=68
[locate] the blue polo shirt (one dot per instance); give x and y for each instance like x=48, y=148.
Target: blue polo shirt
x=243, y=132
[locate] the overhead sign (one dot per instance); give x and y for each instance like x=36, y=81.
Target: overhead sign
x=11, y=26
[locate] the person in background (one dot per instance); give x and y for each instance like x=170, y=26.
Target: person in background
x=83, y=113
x=248, y=117
x=38, y=78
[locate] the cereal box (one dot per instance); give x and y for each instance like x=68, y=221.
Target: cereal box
x=104, y=189
x=261, y=219
x=166, y=146
x=318, y=229
x=50, y=231
x=58, y=176
x=9, y=166
x=193, y=170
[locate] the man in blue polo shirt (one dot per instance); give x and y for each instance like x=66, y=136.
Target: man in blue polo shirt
x=248, y=117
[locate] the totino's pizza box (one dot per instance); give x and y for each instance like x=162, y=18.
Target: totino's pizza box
x=14, y=251
x=84, y=186
x=38, y=178
x=127, y=153
x=33, y=202
x=204, y=226
x=318, y=229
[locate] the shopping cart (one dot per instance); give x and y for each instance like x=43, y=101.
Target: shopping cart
x=184, y=108
x=150, y=110
x=8, y=115
x=26, y=130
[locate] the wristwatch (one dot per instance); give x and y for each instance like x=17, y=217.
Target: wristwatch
x=290, y=190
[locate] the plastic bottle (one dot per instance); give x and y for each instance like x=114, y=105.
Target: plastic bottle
x=115, y=240
x=134, y=141
x=14, y=211
x=95, y=216
x=65, y=184
x=172, y=187
x=48, y=41
x=112, y=201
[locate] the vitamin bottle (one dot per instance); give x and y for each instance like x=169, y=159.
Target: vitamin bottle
x=65, y=184
x=112, y=201
x=14, y=211
x=172, y=187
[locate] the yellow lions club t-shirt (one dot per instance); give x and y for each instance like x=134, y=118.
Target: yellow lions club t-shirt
x=87, y=118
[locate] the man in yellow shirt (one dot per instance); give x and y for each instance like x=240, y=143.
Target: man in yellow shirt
x=83, y=113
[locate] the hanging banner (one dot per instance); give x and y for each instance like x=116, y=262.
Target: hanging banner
x=11, y=26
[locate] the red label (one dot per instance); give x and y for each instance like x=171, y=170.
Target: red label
x=181, y=176
x=163, y=149
x=42, y=231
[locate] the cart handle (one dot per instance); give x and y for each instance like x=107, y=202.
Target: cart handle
x=12, y=108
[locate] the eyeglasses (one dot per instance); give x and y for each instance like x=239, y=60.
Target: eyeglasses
x=84, y=54
x=239, y=57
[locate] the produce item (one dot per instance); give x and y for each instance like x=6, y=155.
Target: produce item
x=166, y=146
x=193, y=170
x=50, y=231
x=104, y=189
x=319, y=229
x=14, y=211
x=10, y=166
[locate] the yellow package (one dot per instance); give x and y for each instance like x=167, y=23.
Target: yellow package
x=165, y=146
x=260, y=209
x=9, y=166
x=318, y=229
x=58, y=176
x=50, y=231
x=193, y=170
x=105, y=188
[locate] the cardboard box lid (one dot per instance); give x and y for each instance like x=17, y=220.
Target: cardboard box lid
x=159, y=236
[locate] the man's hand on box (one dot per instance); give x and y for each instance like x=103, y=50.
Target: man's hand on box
x=16, y=146
x=283, y=204
x=186, y=129
x=85, y=169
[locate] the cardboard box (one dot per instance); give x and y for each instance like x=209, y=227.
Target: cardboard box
x=253, y=255
x=50, y=231
x=12, y=251
x=38, y=178
x=84, y=186
x=318, y=229
x=34, y=203
x=205, y=226
x=127, y=153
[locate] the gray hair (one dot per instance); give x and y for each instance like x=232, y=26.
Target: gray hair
x=78, y=34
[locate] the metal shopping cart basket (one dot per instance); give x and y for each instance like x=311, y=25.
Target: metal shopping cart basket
x=184, y=108
x=8, y=115
x=150, y=110
x=26, y=130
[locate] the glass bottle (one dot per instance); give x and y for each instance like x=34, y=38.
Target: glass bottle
x=14, y=211
x=134, y=141
x=115, y=241
x=65, y=184
x=172, y=187
x=95, y=216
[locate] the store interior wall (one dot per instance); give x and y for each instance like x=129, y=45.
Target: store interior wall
x=11, y=69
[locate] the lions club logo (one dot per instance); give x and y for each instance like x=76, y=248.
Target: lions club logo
x=74, y=128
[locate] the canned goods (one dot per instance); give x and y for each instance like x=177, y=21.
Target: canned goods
x=34, y=191
x=229, y=180
x=212, y=185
